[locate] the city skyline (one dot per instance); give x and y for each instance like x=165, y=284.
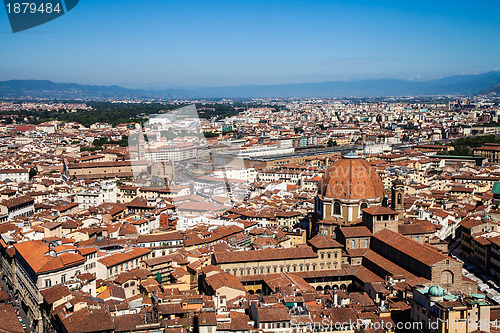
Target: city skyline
x=195, y=44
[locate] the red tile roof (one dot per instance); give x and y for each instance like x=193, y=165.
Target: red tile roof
x=264, y=255
x=119, y=258
x=36, y=255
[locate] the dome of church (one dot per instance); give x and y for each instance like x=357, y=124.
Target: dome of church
x=436, y=291
x=351, y=178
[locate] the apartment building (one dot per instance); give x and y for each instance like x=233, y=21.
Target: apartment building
x=37, y=266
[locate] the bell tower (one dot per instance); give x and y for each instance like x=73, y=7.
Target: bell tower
x=398, y=197
x=141, y=147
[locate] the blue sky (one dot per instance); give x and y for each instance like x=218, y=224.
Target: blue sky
x=144, y=44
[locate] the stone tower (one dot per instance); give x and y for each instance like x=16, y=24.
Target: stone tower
x=141, y=145
x=398, y=197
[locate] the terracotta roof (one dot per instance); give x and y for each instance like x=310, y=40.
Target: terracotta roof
x=88, y=320
x=273, y=314
x=350, y=179
x=163, y=237
x=55, y=293
x=118, y=258
x=324, y=242
x=8, y=320
x=264, y=241
x=417, y=227
x=135, y=274
x=128, y=322
x=221, y=279
x=264, y=255
x=355, y=231
x=17, y=201
x=379, y=210
x=420, y=252
x=36, y=255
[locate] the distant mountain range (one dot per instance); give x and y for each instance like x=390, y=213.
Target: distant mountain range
x=486, y=83
x=492, y=91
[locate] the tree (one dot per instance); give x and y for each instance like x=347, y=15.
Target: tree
x=331, y=143
x=210, y=134
x=298, y=130
x=32, y=173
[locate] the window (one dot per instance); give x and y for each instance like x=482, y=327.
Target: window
x=336, y=208
x=63, y=278
x=353, y=244
x=447, y=277
x=366, y=243
x=328, y=255
x=48, y=283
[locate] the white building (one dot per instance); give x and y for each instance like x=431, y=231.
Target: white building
x=14, y=175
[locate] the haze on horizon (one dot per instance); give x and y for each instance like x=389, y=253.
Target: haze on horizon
x=159, y=44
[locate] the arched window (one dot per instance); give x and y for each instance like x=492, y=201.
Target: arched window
x=400, y=198
x=336, y=208
x=447, y=277
x=363, y=205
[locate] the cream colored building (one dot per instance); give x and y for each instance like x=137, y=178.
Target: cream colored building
x=323, y=253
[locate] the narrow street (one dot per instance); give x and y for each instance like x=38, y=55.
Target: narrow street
x=16, y=303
